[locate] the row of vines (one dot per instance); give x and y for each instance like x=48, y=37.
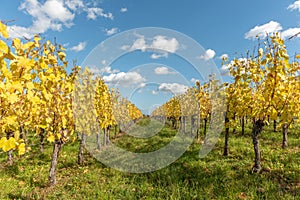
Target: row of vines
x=265, y=88
x=40, y=98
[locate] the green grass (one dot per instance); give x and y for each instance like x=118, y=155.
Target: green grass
x=213, y=177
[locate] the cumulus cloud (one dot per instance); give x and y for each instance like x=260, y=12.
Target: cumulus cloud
x=225, y=70
x=125, y=47
x=104, y=70
x=163, y=71
x=93, y=13
x=161, y=45
x=209, y=54
x=139, y=44
x=56, y=10
x=123, y=10
x=80, y=47
x=157, y=56
x=52, y=15
x=142, y=85
x=154, y=92
x=125, y=79
x=175, y=88
x=294, y=6
x=290, y=33
x=262, y=30
x=74, y=4
x=111, y=31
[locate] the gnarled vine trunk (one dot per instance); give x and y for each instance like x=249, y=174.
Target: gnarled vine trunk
x=285, y=129
x=256, y=130
x=184, y=124
x=275, y=126
x=81, y=149
x=192, y=124
x=225, y=153
x=55, y=154
x=205, y=126
x=98, y=140
x=42, y=139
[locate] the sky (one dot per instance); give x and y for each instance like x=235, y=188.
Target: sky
x=152, y=50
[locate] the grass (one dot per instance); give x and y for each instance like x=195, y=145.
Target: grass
x=213, y=177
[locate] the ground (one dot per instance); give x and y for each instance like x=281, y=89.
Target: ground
x=212, y=177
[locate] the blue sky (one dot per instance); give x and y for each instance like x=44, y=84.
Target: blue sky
x=150, y=78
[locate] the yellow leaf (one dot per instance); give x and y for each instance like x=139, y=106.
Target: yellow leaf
x=49, y=120
x=13, y=98
x=21, y=149
x=3, y=47
x=11, y=120
x=61, y=56
x=2, y=142
x=36, y=38
x=17, y=43
x=17, y=86
x=27, y=76
x=51, y=138
x=28, y=45
x=3, y=30
x=9, y=144
x=35, y=100
x=42, y=126
x=29, y=85
x=12, y=142
x=58, y=135
x=51, y=77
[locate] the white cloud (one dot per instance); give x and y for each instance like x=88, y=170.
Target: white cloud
x=175, y=88
x=142, y=85
x=159, y=44
x=295, y=6
x=209, y=54
x=139, y=44
x=262, y=30
x=163, y=71
x=225, y=70
x=53, y=15
x=124, y=79
x=154, y=92
x=162, y=43
x=123, y=10
x=290, y=32
x=80, y=47
x=19, y=31
x=93, y=13
x=56, y=10
x=50, y=15
x=74, y=4
x=157, y=56
x=125, y=47
x=111, y=31
x=104, y=70
x=224, y=56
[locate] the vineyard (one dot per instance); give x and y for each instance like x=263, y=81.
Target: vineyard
x=48, y=111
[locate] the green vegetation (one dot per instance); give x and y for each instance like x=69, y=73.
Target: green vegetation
x=214, y=177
